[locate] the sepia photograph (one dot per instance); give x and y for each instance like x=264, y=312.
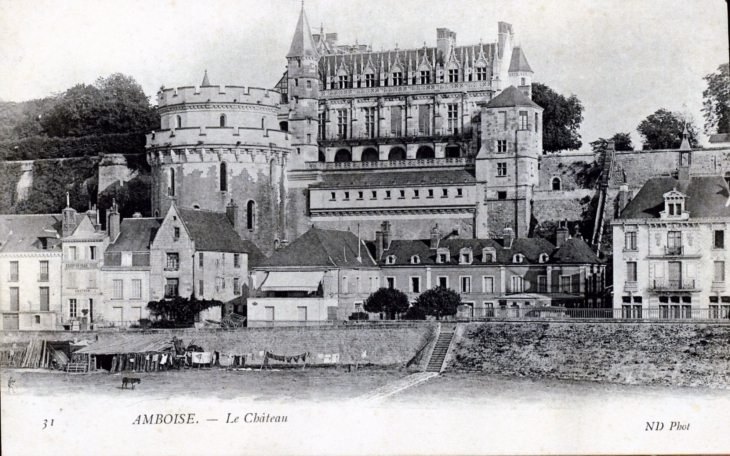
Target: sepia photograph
x=362, y=227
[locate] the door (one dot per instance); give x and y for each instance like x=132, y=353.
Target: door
x=117, y=314
x=302, y=313
x=10, y=322
x=675, y=274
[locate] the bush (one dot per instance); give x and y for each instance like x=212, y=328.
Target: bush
x=439, y=302
x=357, y=316
x=41, y=147
x=414, y=313
x=388, y=300
x=178, y=311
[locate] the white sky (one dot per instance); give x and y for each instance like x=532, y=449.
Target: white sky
x=623, y=59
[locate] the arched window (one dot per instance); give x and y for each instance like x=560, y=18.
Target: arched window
x=321, y=157
x=397, y=153
x=390, y=259
x=250, y=215
x=518, y=258
x=544, y=258
x=415, y=259
x=556, y=183
x=224, y=177
x=223, y=120
x=370, y=155
x=171, y=187
x=157, y=214
x=343, y=155
x=277, y=244
x=453, y=151
x=425, y=152
x=178, y=122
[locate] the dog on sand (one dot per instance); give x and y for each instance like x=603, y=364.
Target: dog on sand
x=126, y=381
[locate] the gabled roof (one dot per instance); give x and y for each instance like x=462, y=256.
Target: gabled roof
x=211, y=231
x=85, y=230
x=707, y=196
x=519, y=62
x=574, y=250
x=720, y=138
x=135, y=235
x=23, y=233
x=322, y=249
x=397, y=178
x=511, y=97
x=302, y=45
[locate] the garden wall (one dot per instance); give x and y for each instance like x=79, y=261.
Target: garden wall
x=682, y=354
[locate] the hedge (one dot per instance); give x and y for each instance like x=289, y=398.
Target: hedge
x=41, y=147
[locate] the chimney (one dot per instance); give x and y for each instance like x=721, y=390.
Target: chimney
x=561, y=234
x=69, y=218
x=386, y=235
x=232, y=213
x=623, y=197
x=113, y=222
x=378, y=245
x=93, y=216
x=435, y=237
x=508, y=237
x=331, y=39
x=445, y=38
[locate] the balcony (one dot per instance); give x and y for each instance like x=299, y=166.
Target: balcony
x=43, y=277
x=674, y=251
x=408, y=89
x=672, y=285
x=382, y=164
x=442, y=135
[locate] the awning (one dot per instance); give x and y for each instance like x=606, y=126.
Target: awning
x=293, y=281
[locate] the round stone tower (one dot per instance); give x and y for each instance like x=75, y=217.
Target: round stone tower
x=220, y=144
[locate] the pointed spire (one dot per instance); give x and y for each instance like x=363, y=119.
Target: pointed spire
x=302, y=45
x=206, y=82
x=685, y=139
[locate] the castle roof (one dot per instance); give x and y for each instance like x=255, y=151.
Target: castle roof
x=321, y=249
x=206, y=81
x=511, y=97
x=519, y=62
x=574, y=250
x=707, y=196
x=28, y=233
x=302, y=45
x=212, y=231
x=397, y=178
x=135, y=235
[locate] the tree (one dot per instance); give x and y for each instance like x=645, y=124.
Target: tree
x=439, y=302
x=561, y=119
x=115, y=104
x=663, y=130
x=716, y=107
x=388, y=300
x=179, y=311
x=621, y=142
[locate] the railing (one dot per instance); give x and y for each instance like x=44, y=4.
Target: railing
x=408, y=89
x=412, y=163
x=414, y=135
x=43, y=277
x=669, y=285
x=674, y=251
x=632, y=312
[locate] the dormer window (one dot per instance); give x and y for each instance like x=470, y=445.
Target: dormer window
x=488, y=255
x=443, y=256
x=674, y=206
x=415, y=259
x=465, y=256
x=544, y=258
x=518, y=258
x=390, y=259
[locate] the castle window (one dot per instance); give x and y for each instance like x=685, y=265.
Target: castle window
x=342, y=123
x=333, y=196
x=176, y=233
x=425, y=77
x=501, y=169
x=430, y=193
x=390, y=259
x=465, y=256
x=251, y=215
x=369, y=155
x=178, y=122
x=501, y=146
x=397, y=153
x=444, y=193
x=443, y=255
x=415, y=284
x=459, y=193
x=309, y=84
x=343, y=155
x=387, y=194
x=402, y=193
x=309, y=140
x=673, y=204
x=263, y=123
x=501, y=195
x=171, y=188
x=453, y=118
x=415, y=259
x=523, y=81
x=454, y=75
x=488, y=254
x=502, y=120
x=222, y=120
x=224, y=177
x=347, y=196
x=481, y=73
x=719, y=239
x=537, y=118
x=518, y=258
x=543, y=258
x=296, y=83
x=397, y=78
x=369, y=80
x=523, y=120
x=556, y=183
x=359, y=195
x=374, y=194
x=344, y=81
x=415, y=193
x=370, y=123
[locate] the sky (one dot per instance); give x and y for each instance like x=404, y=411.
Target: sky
x=624, y=59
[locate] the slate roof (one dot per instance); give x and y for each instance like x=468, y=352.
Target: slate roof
x=211, y=231
x=322, y=249
x=519, y=61
x=574, y=250
x=707, y=196
x=511, y=97
x=397, y=178
x=135, y=235
x=22, y=233
x=720, y=138
x=302, y=44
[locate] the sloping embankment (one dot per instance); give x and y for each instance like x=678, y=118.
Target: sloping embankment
x=646, y=353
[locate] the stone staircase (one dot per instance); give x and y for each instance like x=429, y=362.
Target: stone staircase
x=436, y=362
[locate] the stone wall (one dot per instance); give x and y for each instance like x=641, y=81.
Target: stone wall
x=681, y=354
x=565, y=167
x=393, y=345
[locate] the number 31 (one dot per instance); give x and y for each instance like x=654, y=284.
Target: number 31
x=46, y=424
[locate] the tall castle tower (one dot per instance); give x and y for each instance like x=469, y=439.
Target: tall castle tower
x=506, y=166
x=303, y=91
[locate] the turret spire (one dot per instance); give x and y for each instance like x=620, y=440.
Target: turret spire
x=302, y=44
x=206, y=82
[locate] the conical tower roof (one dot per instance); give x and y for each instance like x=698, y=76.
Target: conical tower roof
x=206, y=82
x=519, y=62
x=685, y=140
x=302, y=45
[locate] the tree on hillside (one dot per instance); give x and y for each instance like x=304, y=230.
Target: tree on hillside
x=663, y=130
x=115, y=104
x=388, y=300
x=561, y=118
x=179, y=311
x=716, y=107
x=439, y=302
x=621, y=142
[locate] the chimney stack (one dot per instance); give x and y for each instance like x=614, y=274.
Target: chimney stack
x=435, y=237
x=623, y=197
x=378, y=245
x=561, y=234
x=508, y=237
x=69, y=218
x=386, y=235
x=232, y=213
x=113, y=222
